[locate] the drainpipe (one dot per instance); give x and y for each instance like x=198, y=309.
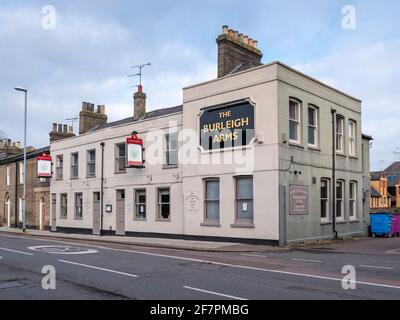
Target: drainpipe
x=16, y=207
x=333, y=111
x=102, y=188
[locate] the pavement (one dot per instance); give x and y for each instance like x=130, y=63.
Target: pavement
x=211, y=246
x=90, y=269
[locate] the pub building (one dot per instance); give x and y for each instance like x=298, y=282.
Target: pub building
x=262, y=153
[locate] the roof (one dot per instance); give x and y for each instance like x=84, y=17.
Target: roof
x=376, y=175
x=29, y=155
x=148, y=115
x=375, y=193
x=393, y=168
x=245, y=65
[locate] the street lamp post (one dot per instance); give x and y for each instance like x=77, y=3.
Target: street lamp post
x=25, y=121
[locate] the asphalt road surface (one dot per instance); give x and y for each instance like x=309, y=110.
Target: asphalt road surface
x=90, y=270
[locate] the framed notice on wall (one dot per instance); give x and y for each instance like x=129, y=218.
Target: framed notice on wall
x=44, y=166
x=299, y=199
x=135, y=151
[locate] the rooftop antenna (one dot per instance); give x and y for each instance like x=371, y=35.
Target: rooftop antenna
x=140, y=67
x=73, y=120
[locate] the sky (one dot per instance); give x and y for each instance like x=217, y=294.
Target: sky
x=85, y=54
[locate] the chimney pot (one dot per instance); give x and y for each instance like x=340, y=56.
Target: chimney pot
x=236, y=34
x=245, y=39
x=255, y=42
x=59, y=129
x=230, y=32
x=84, y=106
x=225, y=29
x=70, y=129
x=54, y=127
x=65, y=128
x=250, y=42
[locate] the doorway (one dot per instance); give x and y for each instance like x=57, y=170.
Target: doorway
x=41, y=213
x=8, y=212
x=120, y=213
x=96, y=213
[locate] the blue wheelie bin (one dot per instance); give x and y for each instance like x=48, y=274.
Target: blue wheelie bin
x=381, y=224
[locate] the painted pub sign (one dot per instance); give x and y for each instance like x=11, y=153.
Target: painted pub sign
x=227, y=126
x=135, y=151
x=44, y=166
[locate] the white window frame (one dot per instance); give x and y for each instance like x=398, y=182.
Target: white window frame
x=8, y=175
x=78, y=206
x=352, y=138
x=59, y=167
x=62, y=206
x=327, y=200
x=118, y=158
x=138, y=204
x=21, y=173
x=160, y=192
x=340, y=201
x=75, y=165
x=215, y=200
x=90, y=162
x=353, y=201
x=168, y=149
x=339, y=134
x=296, y=120
x=315, y=127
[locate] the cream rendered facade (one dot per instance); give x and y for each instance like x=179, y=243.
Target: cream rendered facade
x=277, y=164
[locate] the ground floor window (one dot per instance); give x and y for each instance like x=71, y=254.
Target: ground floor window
x=164, y=204
x=324, y=200
x=353, y=200
x=78, y=205
x=340, y=200
x=63, y=205
x=140, y=204
x=244, y=199
x=212, y=200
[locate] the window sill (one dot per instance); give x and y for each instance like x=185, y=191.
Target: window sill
x=210, y=224
x=313, y=148
x=163, y=220
x=340, y=154
x=170, y=166
x=341, y=221
x=354, y=220
x=74, y=178
x=295, y=144
x=354, y=157
x=139, y=219
x=91, y=177
x=120, y=172
x=248, y=225
x=78, y=218
x=59, y=179
x=324, y=223
x=63, y=218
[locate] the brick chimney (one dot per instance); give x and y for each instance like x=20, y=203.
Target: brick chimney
x=61, y=131
x=139, y=103
x=235, y=50
x=90, y=118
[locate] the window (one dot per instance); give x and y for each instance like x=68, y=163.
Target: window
x=74, y=165
x=339, y=134
x=163, y=204
x=339, y=200
x=313, y=126
x=21, y=210
x=78, y=206
x=212, y=200
x=294, y=121
x=121, y=194
x=8, y=175
x=352, y=138
x=120, y=159
x=91, y=163
x=21, y=173
x=140, y=204
x=171, y=149
x=63, y=206
x=324, y=200
x=244, y=199
x=59, y=167
x=353, y=200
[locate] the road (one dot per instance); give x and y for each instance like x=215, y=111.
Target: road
x=94, y=270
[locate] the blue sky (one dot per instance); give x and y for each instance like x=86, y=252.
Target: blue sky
x=87, y=56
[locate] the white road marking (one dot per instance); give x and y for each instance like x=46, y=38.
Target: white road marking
x=396, y=251
x=214, y=293
x=306, y=260
x=224, y=264
x=58, y=249
x=252, y=255
x=98, y=268
x=375, y=267
x=17, y=251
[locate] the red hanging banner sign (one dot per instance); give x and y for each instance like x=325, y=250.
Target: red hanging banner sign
x=135, y=151
x=44, y=166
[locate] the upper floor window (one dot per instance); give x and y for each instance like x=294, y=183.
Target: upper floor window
x=74, y=165
x=21, y=173
x=91, y=163
x=352, y=138
x=59, y=167
x=171, y=149
x=339, y=134
x=8, y=175
x=120, y=157
x=294, y=121
x=312, y=126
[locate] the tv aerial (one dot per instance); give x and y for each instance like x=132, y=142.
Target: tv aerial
x=140, y=67
x=73, y=120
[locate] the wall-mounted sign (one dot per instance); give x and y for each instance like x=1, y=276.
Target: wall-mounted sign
x=192, y=202
x=108, y=208
x=44, y=166
x=135, y=151
x=299, y=199
x=227, y=126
